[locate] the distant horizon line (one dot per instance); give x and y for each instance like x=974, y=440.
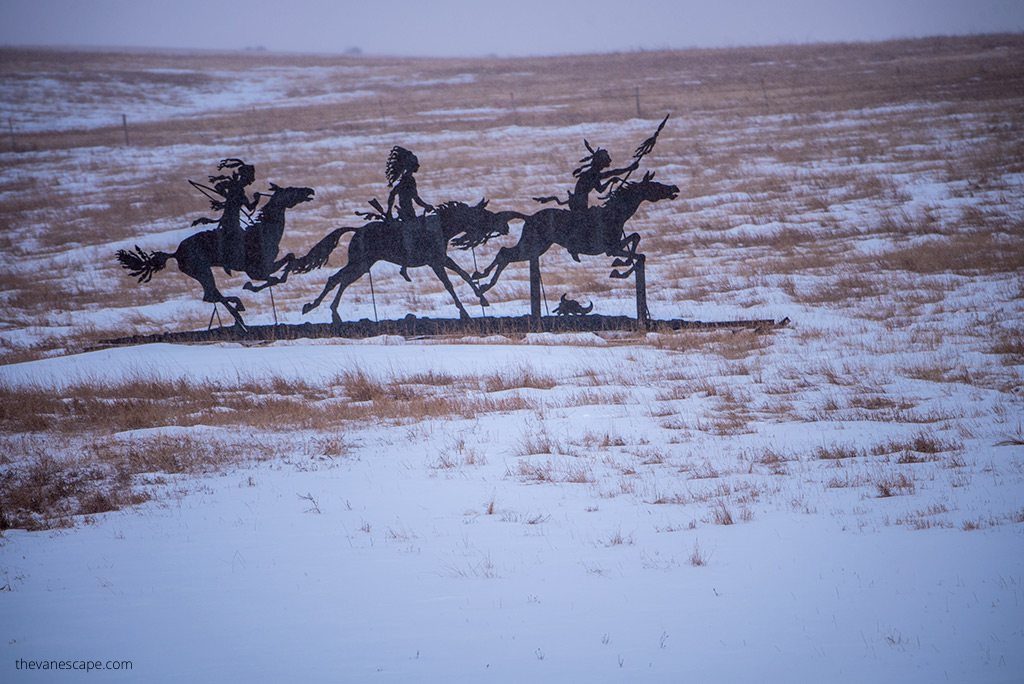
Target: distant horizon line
x=355, y=52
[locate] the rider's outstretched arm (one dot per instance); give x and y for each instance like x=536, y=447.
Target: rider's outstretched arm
x=611, y=175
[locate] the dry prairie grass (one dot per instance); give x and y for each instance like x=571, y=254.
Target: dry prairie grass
x=100, y=420
x=272, y=404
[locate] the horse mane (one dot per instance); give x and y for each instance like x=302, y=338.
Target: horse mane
x=471, y=233
x=270, y=198
x=626, y=186
x=449, y=206
x=620, y=189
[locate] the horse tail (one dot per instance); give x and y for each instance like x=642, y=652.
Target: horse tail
x=141, y=265
x=321, y=251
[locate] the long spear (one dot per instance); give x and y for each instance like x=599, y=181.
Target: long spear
x=646, y=146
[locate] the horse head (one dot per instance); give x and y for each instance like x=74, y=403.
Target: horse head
x=271, y=216
x=652, y=191
x=631, y=194
x=291, y=196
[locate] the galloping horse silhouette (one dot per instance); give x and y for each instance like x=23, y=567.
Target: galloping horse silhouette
x=428, y=246
x=198, y=254
x=596, y=230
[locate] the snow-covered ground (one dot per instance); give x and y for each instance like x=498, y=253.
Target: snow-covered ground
x=839, y=500
x=444, y=550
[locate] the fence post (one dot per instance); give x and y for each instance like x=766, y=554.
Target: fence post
x=643, y=316
x=535, y=291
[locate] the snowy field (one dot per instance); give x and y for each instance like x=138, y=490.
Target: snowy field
x=839, y=500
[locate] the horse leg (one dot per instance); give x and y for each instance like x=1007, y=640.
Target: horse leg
x=342, y=279
x=480, y=275
x=212, y=294
x=501, y=260
x=637, y=261
x=629, y=245
x=506, y=255
x=331, y=283
x=204, y=276
x=450, y=263
x=269, y=279
x=443, y=277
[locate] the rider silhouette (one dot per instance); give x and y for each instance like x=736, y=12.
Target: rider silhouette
x=590, y=176
x=401, y=166
x=230, y=233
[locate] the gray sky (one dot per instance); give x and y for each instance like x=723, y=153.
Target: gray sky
x=485, y=27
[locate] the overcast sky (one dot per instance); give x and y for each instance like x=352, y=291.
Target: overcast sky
x=484, y=27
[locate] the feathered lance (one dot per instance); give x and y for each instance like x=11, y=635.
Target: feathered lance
x=646, y=146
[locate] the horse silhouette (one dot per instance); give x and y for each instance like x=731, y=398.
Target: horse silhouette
x=424, y=244
x=198, y=254
x=595, y=230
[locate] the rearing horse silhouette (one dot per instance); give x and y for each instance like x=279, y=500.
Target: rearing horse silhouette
x=198, y=254
x=596, y=230
x=461, y=224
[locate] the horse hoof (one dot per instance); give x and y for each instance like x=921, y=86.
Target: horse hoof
x=616, y=274
x=240, y=306
x=477, y=275
x=248, y=286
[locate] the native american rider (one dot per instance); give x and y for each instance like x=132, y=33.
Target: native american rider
x=232, y=188
x=401, y=166
x=592, y=175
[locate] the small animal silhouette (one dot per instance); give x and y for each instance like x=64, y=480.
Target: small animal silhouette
x=570, y=307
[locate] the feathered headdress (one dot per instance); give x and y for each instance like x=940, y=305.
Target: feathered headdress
x=598, y=158
x=400, y=161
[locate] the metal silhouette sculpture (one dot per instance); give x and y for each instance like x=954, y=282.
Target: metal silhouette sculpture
x=590, y=177
x=399, y=170
x=198, y=254
x=582, y=229
x=424, y=243
x=227, y=194
x=571, y=307
x=598, y=230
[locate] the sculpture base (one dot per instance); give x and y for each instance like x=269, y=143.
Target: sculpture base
x=413, y=327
